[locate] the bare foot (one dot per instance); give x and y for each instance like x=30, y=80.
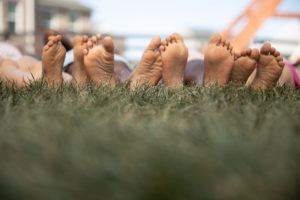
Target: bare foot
x=244, y=65
x=80, y=75
x=270, y=66
x=174, y=56
x=218, y=61
x=99, y=60
x=53, y=60
x=149, y=70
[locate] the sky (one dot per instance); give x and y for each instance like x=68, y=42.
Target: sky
x=163, y=17
x=167, y=16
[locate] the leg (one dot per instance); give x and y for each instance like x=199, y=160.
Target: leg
x=80, y=75
x=149, y=70
x=53, y=60
x=269, y=70
x=218, y=61
x=31, y=65
x=174, y=57
x=287, y=78
x=11, y=74
x=244, y=65
x=99, y=60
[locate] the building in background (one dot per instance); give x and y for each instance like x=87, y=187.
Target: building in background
x=25, y=21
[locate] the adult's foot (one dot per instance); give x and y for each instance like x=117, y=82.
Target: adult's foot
x=270, y=66
x=218, y=61
x=99, y=60
x=244, y=65
x=53, y=59
x=149, y=70
x=80, y=75
x=174, y=57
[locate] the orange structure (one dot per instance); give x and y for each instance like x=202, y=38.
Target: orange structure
x=254, y=17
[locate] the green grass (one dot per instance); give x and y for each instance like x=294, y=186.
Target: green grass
x=195, y=143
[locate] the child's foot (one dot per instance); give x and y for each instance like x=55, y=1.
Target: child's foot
x=269, y=69
x=80, y=75
x=218, y=61
x=150, y=68
x=53, y=60
x=174, y=56
x=99, y=60
x=244, y=65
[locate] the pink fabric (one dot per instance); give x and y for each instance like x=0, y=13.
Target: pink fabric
x=295, y=74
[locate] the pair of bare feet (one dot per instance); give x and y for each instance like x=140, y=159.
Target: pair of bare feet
x=162, y=59
x=94, y=61
x=222, y=65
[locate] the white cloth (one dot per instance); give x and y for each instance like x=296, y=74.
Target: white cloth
x=8, y=51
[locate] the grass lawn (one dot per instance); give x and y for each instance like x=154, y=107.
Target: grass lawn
x=194, y=143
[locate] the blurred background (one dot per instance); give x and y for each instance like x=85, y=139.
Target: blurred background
x=132, y=23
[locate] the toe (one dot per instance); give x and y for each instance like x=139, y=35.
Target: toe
x=164, y=43
x=216, y=39
x=99, y=39
x=277, y=53
x=59, y=38
x=77, y=40
x=279, y=59
x=168, y=39
x=223, y=41
x=177, y=37
x=85, y=39
x=230, y=48
x=248, y=52
x=273, y=50
x=155, y=43
x=281, y=64
x=50, y=43
x=244, y=53
x=89, y=45
x=227, y=44
x=51, y=37
x=46, y=48
x=85, y=52
x=255, y=54
x=94, y=40
x=108, y=45
x=162, y=48
x=238, y=55
x=266, y=48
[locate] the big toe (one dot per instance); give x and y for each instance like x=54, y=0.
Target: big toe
x=265, y=49
x=177, y=37
x=216, y=39
x=255, y=54
x=78, y=39
x=108, y=44
x=155, y=43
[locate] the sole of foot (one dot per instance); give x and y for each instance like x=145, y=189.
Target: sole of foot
x=99, y=60
x=80, y=75
x=174, y=57
x=53, y=59
x=218, y=61
x=270, y=66
x=244, y=65
x=149, y=70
